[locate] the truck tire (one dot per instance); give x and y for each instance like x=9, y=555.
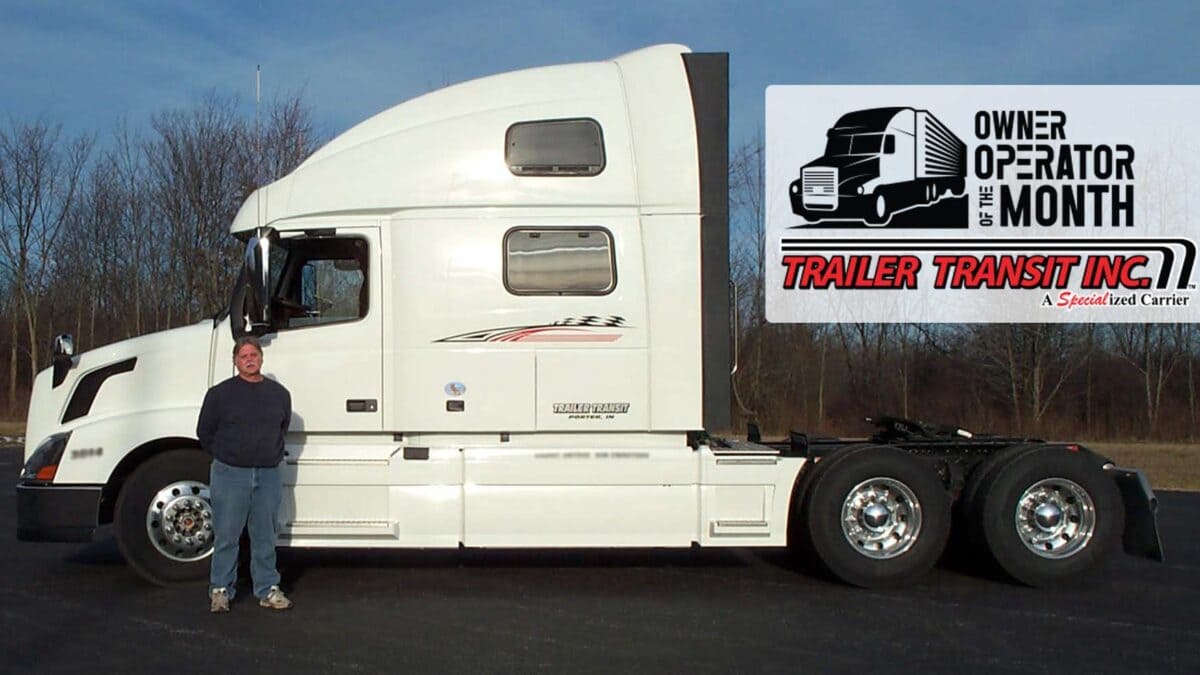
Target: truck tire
x=969, y=511
x=968, y=500
x=1048, y=515
x=163, y=519
x=878, y=211
x=877, y=517
x=799, y=538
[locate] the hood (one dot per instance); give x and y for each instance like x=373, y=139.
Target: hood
x=170, y=369
x=856, y=163
x=172, y=340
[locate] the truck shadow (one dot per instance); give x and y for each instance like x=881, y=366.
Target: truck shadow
x=102, y=551
x=294, y=563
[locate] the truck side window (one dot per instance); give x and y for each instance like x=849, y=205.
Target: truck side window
x=571, y=147
x=559, y=261
x=323, y=281
x=889, y=145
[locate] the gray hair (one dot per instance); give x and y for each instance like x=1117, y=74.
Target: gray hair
x=246, y=340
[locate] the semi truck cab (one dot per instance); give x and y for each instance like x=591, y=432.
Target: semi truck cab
x=877, y=162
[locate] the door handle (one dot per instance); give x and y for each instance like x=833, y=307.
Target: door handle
x=416, y=453
x=368, y=405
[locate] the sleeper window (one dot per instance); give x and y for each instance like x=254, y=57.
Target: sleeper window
x=560, y=261
x=573, y=147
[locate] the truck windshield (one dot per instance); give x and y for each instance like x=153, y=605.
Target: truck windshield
x=854, y=144
x=837, y=145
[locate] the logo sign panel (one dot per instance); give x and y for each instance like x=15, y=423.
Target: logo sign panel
x=980, y=204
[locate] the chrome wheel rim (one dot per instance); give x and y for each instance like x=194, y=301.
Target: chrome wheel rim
x=179, y=521
x=881, y=518
x=1055, y=518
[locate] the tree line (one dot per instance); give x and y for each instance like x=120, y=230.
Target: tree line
x=113, y=239
x=129, y=235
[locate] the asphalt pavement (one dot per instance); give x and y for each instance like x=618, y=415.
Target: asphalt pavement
x=67, y=608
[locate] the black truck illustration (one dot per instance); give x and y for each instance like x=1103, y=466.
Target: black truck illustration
x=877, y=162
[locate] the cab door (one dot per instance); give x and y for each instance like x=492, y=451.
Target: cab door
x=326, y=339
x=324, y=345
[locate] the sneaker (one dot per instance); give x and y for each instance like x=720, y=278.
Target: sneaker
x=218, y=600
x=275, y=600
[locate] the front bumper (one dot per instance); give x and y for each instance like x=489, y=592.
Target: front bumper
x=57, y=513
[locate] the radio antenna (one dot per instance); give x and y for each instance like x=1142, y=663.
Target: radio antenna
x=258, y=158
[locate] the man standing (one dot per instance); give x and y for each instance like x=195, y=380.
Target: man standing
x=242, y=425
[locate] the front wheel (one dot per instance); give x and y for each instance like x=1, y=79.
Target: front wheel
x=877, y=517
x=879, y=211
x=163, y=518
x=1049, y=515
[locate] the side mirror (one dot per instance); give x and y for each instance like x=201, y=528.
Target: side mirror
x=258, y=252
x=62, y=347
x=251, y=310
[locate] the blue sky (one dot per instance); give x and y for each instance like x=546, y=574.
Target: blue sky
x=89, y=64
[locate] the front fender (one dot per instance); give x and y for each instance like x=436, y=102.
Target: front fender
x=97, y=446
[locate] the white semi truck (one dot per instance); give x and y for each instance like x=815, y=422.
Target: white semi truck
x=502, y=311
x=878, y=162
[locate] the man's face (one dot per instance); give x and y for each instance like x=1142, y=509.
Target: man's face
x=248, y=361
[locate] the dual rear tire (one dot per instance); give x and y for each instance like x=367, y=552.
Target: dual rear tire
x=873, y=516
x=1043, y=514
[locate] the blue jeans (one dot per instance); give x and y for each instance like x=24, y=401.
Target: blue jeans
x=244, y=497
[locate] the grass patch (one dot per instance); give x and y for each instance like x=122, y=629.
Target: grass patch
x=1169, y=466
x=12, y=427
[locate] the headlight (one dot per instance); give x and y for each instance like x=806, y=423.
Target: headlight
x=43, y=463
x=859, y=190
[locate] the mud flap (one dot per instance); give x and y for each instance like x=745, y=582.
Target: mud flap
x=1141, y=506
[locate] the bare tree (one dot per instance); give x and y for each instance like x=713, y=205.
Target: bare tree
x=1185, y=336
x=1153, y=351
x=748, y=237
x=1027, y=364
x=142, y=257
x=39, y=181
x=197, y=161
x=286, y=140
x=8, y=307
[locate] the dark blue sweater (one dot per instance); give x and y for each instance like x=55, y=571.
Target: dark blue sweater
x=242, y=423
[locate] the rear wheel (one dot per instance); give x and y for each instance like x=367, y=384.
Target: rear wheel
x=1048, y=515
x=966, y=537
x=877, y=517
x=163, y=518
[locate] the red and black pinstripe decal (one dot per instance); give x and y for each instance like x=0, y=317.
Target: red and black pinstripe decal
x=571, y=329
